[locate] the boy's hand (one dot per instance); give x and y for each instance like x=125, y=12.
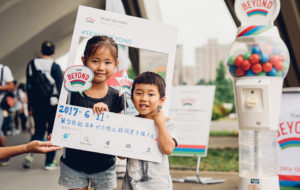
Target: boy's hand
x=41, y=147
x=160, y=117
x=100, y=107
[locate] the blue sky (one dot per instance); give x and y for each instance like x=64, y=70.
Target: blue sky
x=197, y=21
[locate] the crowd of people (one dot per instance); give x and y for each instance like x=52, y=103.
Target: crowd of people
x=79, y=168
x=21, y=103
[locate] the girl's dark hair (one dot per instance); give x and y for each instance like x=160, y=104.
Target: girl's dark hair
x=100, y=41
x=150, y=78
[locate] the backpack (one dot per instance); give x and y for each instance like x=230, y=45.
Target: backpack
x=41, y=84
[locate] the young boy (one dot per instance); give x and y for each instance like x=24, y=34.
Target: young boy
x=148, y=96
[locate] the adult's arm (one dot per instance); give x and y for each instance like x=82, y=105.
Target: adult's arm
x=34, y=147
x=10, y=86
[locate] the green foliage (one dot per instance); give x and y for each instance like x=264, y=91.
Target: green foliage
x=131, y=73
x=216, y=160
x=223, y=93
x=201, y=82
x=217, y=112
x=224, y=88
x=223, y=133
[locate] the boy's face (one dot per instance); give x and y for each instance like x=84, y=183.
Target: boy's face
x=146, y=98
x=102, y=63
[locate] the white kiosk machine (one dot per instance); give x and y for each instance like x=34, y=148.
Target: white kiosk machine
x=258, y=62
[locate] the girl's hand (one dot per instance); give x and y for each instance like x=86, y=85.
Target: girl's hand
x=160, y=117
x=100, y=107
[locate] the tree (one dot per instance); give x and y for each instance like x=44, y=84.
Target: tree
x=201, y=82
x=224, y=89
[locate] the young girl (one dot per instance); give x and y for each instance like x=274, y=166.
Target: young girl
x=79, y=168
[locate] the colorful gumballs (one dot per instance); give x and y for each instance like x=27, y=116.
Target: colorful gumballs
x=239, y=72
x=256, y=68
x=239, y=60
x=250, y=73
x=276, y=50
x=267, y=67
x=231, y=60
x=282, y=57
x=254, y=58
x=246, y=65
x=278, y=66
x=274, y=59
x=261, y=74
x=267, y=49
x=279, y=74
x=247, y=55
x=256, y=50
x=232, y=70
x=264, y=58
x=273, y=72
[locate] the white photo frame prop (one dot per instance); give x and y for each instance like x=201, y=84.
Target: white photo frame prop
x=111, y=133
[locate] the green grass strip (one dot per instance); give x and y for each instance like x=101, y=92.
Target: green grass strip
x=224, y=133
x=189, y=153
x=216, y=160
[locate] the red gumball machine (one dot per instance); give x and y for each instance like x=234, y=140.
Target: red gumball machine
x=258, y=62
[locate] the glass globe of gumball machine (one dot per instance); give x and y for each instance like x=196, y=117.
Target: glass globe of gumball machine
x=258, y=61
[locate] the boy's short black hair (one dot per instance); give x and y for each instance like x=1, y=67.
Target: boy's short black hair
x=150, y=78
x=48, y=48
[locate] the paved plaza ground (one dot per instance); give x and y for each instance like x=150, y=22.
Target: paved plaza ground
x=14, y=177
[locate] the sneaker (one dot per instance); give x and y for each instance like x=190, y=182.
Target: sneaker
x=18, y=131
x=51, y=166
x=4, y=162
x=9, y=133
x=27, y=163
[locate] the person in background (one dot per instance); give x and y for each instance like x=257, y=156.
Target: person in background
x=6, y=85
x=44, y=80
x=21, y=98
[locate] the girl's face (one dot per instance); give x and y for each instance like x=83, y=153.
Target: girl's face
x=146, y=98
x=102, y=63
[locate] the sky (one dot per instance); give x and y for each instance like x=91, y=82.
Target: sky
x=197, y=21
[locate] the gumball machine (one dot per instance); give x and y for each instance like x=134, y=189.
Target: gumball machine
x=258, y=61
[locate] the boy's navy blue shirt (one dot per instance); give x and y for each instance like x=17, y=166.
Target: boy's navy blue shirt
x=91, y=162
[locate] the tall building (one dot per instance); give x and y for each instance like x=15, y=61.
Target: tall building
x=178, y=67
x=208, y=58
x=189, y=75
